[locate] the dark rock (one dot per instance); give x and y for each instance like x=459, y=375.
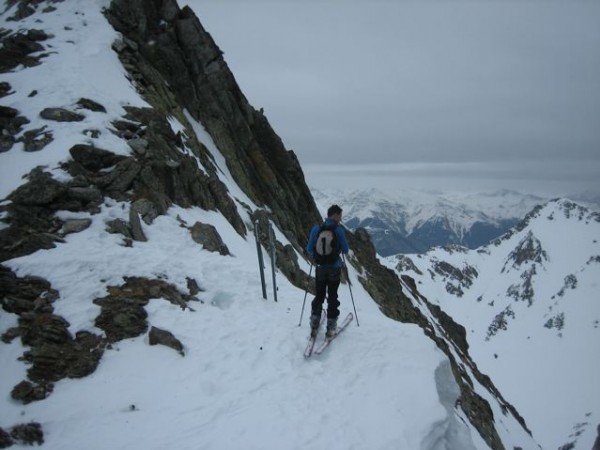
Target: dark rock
x=72, y=359
x=5, y=89
x=39, y=329
x=193, y=287
x=122, y=317
x=138, y=145
x=5, y=439
x=119, y=226
x=61, y=115
x=208, y=236
x=92, y=158
x=36, y=140
x=135, y=225
x=8, y=113
x=10, y=125
x=85, y=194
x=93, y=133
x=146, y=209
x=11, y=334
x=24, y=10
x=37, y=35
x=166, y=338
x=15, y=243
x=76, y=225
x=91, y=105
x=28, y=434
x=6, y=143
x=404, y=264
x=118, y=181
x=26, y=392
x=17, y=49
x=41, y=189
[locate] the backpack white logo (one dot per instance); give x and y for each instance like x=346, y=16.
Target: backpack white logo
x=324, y=244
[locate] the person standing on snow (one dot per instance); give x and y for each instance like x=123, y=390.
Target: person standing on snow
x=325, y=244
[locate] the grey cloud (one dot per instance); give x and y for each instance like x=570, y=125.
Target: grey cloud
x=456, y=81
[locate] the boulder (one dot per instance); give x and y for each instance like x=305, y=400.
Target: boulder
x=208, y=236
x=28, y=434
x=61, y=115
x=135, y=225
x=5, y=439
x=25, y=392
x=91, y=105
x=92, y=158
x=75, y=225
x=41, y=189
x=36, y=140
x=166, y=338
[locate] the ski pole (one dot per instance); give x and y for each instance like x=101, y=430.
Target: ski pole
x=305, y=294
x=350, y=287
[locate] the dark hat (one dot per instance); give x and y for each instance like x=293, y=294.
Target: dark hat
x=334, y=209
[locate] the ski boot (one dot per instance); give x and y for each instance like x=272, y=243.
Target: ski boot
x=331, y=328
x=315, y=321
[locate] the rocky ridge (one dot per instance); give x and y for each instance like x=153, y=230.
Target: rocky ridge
x=179, y=70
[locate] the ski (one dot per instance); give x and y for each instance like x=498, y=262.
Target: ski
x=339, y=329
x=313, y=339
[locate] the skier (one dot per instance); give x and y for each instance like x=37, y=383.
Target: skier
x=325, y=243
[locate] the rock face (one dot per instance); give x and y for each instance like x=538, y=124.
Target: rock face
x=170, y=40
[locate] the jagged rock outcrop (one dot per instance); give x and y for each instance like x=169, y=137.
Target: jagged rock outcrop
x=166, y=45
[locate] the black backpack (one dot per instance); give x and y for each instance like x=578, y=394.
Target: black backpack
x=327, y=246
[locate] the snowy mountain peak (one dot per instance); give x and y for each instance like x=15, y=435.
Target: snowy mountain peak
x=529, y=301
x=413, y=222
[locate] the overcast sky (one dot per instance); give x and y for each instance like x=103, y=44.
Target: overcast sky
x=477, y=94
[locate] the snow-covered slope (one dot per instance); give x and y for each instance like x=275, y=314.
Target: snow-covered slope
x=414, y=221
x=530, y=304
x=242, y=382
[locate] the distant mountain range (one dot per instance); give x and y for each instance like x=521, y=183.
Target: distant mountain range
x=413, y=222
x=529, y=304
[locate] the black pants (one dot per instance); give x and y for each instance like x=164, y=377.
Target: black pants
x=328, y=281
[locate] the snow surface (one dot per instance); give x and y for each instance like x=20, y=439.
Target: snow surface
x=243, y=382
x=550, y=374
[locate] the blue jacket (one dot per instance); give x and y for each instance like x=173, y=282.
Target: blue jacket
x=341, y=235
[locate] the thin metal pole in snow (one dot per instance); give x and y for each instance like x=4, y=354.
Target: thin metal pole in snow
x=260, y=261
x=350, y=287
x=273, y=256
x=305, y=293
